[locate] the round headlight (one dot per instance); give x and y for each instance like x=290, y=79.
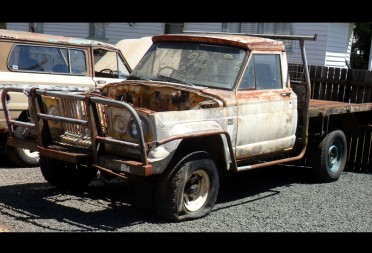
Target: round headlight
x=132, y=128
x=120, y=124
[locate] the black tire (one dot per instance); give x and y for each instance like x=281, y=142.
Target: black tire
x=20, y=156
x=66, y=175
x=329, y=157
x=195, y=176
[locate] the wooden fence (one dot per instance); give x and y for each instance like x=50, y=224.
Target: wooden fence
x=350, y=86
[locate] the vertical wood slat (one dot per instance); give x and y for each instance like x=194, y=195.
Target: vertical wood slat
x=341, y=90
x=336, y=86
x=349, y=78
x=318, y=74
x=312, y=71
x=360, y=151
x=366, y=159
x=329, y=86
x=353, y=145
x=322, y=86
x=354, y=88
x=361, y=89
x=367, y=94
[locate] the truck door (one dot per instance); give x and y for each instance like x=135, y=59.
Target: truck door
x=267, y=109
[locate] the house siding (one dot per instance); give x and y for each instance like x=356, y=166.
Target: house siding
x=80, y=30
x=332, y=47
x=119, y=31
x=17, y=26
x=205, y=27
x=338, y=44
x=315, y=50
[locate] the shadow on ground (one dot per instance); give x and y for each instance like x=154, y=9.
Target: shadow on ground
x=117, y=205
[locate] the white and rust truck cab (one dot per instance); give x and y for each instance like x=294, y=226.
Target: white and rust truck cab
x=195, y=106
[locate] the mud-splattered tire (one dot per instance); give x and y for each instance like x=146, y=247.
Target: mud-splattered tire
x=188, y=190
x=66, y=175
x=20, y=156
x=329, y=157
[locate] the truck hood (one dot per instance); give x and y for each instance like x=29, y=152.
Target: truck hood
x=166, y=96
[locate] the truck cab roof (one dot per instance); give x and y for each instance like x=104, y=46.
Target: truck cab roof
x=247, y=42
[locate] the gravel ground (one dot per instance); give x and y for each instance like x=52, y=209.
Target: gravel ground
x=276, y=199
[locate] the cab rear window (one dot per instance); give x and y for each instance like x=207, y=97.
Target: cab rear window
x=52, y=60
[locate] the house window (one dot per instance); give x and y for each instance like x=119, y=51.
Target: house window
x=36, y=27
x=171, y=28
x=97, y=30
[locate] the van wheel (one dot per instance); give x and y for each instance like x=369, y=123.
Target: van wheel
x=66, y=175
x=329, y=156
x=189, y=190
x=21, y=156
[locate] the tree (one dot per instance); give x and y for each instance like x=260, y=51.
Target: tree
x=361, y=46
x=2, y=26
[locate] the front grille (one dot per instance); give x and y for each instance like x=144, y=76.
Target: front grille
x=76, y=110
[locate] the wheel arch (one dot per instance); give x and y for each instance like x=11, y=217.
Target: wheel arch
x=214, y=145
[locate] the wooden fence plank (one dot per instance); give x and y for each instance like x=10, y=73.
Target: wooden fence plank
x=322, y=85
x=312, y=70
x=361, y=90
x=342, y=87
x=368, y=95
x=366, y=159
x=318, y=74
x=349, y=78
x=353, y=145
x=329, y=86
x=336, y=86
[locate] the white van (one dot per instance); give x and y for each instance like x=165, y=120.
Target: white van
x=31, y=59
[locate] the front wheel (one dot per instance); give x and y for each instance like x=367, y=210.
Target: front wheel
x=189, y=190
x=329, y=156
x=66, y=175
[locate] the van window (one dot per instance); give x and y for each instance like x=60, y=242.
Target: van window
x=109, y=64
x=51, y=60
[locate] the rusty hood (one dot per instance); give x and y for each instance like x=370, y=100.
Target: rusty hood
x=166, y=96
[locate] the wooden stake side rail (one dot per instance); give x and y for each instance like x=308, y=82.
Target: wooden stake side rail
x=328, y=108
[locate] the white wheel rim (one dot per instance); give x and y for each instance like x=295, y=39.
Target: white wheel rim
x=31, y=154
x=196, y=190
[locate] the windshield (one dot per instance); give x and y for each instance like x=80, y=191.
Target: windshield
x=207, y=65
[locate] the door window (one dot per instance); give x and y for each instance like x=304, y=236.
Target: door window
x=262, y=73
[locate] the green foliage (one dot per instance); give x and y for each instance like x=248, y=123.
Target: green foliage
x=2, y=26
x=361, y=46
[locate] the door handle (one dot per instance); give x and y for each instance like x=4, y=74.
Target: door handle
x=285, y=94
x=101, y=81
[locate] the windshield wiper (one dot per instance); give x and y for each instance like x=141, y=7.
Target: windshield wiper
x=175, y=80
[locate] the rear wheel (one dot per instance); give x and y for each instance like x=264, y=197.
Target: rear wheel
x=21, y=156
x=329, y=156
x=66, y=175
x=189, y=190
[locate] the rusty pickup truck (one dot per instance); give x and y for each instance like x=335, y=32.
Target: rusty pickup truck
x=195, y=107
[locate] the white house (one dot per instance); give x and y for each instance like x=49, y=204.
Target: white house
x=332, y=47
